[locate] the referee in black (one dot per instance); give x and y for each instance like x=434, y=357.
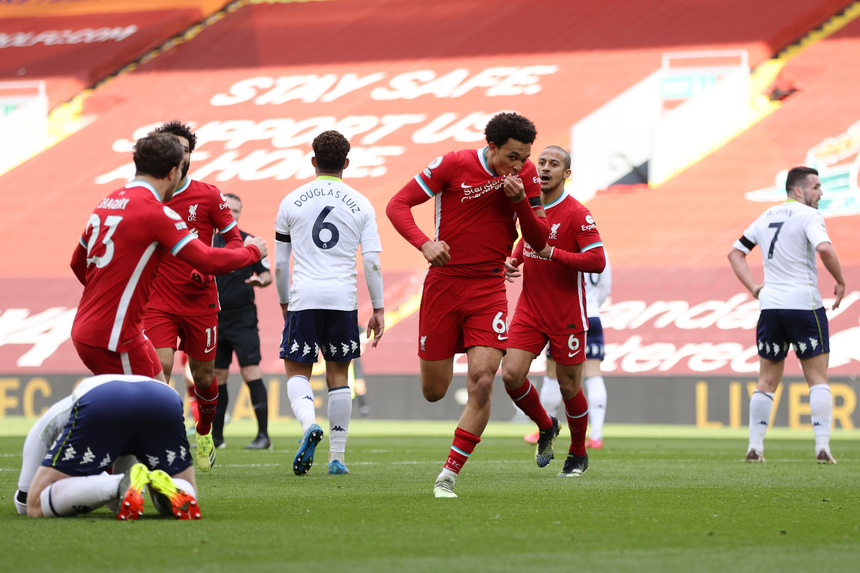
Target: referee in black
x=237, y=331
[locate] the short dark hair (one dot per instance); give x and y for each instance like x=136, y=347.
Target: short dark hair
x=564, y=151
x=505, y=126
x=156, y=154
x=796, y=175
x=179, y=129
x=330, y=150
x=233, y=196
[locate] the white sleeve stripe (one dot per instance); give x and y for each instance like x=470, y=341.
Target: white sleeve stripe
x=178, y=246
x=424, y=186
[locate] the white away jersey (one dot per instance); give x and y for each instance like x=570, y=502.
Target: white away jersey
x=788, y=235
x=597, y=288
x=326, y=221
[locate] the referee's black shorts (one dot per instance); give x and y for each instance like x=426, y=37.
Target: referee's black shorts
x=237, y=332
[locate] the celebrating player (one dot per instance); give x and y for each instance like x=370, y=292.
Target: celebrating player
x=184, y=303
x=597, y=289
x=118, y=255
x=479, y=196
x=553, y=279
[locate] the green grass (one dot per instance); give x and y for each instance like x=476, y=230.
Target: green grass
x=654, y=499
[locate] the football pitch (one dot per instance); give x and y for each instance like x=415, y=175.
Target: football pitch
x=655, y=498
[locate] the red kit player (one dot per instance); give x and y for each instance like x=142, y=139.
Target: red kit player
x=552, y=308
x=479, y=195
x=183, y=309
x=125, y=240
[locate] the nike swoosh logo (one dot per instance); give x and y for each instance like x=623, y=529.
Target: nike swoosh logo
x=572, y=354
x=465, y=185
x=208, y=350
x=502, y=337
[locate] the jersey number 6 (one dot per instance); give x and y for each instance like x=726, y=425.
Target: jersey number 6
x=321, y=225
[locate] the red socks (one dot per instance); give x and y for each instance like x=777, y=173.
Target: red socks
x=577, y=420
x=527, y=399
x=207, y=400
x=463, y=446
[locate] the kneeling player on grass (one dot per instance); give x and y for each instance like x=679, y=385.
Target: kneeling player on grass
x=553, y=279
x=108, y=417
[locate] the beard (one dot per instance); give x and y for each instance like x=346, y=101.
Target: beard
x=185, y=169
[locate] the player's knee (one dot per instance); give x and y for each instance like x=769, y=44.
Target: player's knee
x=203, y=378
x=512, y=381
x=433, y=393
x=481, y=387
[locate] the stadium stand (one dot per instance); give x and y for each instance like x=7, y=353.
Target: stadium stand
x=407, y=84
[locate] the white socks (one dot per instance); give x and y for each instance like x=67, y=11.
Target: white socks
x=302, y=401
x=339, y=412
x=74, y=495
x=821, y=411
x=550, y=396
x=595, y=391
x=760, y=406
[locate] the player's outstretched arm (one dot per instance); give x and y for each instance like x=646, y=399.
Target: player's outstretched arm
x=831, y=263
x=221, y=261
x=233, y=238
x=590, y=261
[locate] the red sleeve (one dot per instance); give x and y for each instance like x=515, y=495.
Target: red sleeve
x=591, y=261
x=233, y=238
x=518, y=251
x=399, y=211
x=217, y=261
x=79, y=263
x=534, y=228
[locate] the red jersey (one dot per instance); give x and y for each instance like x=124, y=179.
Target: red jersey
x=125, y=239
x=473, y=214
x=553, y=295
x=202, y=207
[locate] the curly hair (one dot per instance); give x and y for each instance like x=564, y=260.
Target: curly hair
x=796, y=176
x=156, y=154
x=179, y=129
x=505, y=126
x=330, y=150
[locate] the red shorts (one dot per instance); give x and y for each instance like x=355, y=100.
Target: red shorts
x=566, y=348
x=458, y=313
x=197, y=334
x=141, y=360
